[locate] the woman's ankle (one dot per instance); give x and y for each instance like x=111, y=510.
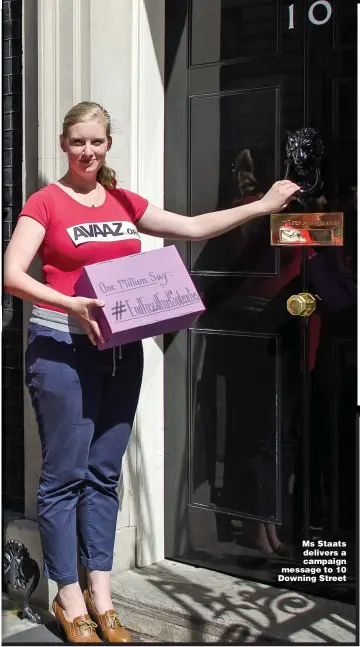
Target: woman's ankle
x=71, y=600
x=101, y=600
x=99, y=590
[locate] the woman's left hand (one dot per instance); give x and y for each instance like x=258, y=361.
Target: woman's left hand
x=279, y=196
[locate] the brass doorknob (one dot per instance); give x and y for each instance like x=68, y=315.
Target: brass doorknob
x=301, y=305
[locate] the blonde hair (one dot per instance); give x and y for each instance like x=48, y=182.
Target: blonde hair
x=90, y=111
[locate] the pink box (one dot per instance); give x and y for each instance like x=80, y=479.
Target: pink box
x=145, y=295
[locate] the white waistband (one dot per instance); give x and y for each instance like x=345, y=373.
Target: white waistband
x=56, y=320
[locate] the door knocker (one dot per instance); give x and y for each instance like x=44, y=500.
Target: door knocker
x=304, y=150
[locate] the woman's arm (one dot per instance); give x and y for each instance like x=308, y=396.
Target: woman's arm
x=22, y=249
x=164, y=224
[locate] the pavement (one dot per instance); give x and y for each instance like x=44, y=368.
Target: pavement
x=170, y=602
x=179, y=603
x=19, y=632
x=16, y=631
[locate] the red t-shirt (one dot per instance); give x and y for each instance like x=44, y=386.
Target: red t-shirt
x=77, y=235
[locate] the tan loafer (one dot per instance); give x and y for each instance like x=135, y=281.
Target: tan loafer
x=109, y=625
x=81, y=630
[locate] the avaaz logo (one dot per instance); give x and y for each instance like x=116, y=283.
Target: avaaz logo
x=102, y=232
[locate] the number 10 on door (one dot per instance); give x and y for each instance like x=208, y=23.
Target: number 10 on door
x=322, y=6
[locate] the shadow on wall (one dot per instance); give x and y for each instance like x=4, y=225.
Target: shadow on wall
x=156, y=28
x=139, y=480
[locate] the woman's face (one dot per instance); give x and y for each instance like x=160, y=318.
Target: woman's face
x=86, y=145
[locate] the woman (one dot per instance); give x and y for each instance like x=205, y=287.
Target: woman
x=85, y=399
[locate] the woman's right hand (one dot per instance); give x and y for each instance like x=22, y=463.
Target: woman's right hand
x=80, y=308
x=278, y=196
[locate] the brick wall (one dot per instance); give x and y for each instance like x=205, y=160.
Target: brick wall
x=12, y=375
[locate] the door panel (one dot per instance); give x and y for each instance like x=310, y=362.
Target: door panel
x=224, y=409
x=250, y=116
x=259, y=404
x=230, y=30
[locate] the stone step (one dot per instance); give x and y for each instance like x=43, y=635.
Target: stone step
x=16, y=631
x=175, y=603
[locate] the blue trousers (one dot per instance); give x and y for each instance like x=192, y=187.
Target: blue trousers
x=85, y=402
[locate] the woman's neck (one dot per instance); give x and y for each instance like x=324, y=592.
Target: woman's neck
x=79, y=184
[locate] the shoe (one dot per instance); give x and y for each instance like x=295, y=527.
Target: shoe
x=285, y=550
x=109, y=625
x=81, y=630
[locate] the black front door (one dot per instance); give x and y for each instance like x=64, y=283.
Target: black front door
x=260, y=405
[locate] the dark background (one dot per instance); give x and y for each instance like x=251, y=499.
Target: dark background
x=12, y=341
